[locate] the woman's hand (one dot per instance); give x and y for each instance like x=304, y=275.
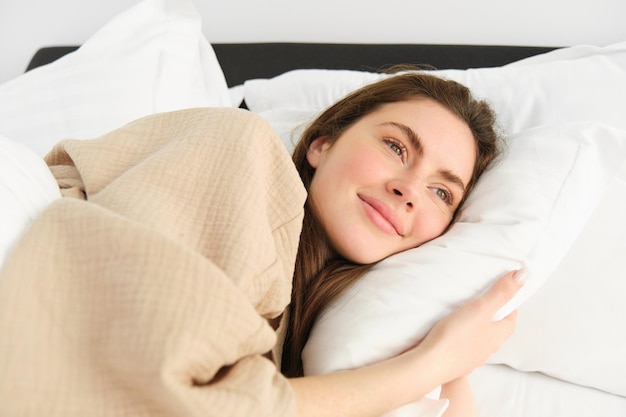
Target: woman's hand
x=466, y=338
x=454, y=347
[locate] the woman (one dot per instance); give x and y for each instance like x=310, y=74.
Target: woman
x=158, y=275
x=386, y=169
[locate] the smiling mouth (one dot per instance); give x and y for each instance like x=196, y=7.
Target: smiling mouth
x=382, y=216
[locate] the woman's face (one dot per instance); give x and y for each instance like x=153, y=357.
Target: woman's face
x=393, y=180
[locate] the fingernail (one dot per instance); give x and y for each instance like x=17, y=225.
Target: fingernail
x=521, y=275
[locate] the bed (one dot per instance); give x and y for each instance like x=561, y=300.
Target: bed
x=561, y=108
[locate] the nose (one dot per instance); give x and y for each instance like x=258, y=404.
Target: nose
x=405, y=188
x=399, y=193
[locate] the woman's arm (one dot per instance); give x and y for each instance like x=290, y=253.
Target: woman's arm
x=368, y=391
x=452, y=349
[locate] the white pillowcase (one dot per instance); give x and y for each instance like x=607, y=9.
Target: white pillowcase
x=564, y=111
x=589, y=85
x=573, y=327
x=151, y=58
x=26, y=188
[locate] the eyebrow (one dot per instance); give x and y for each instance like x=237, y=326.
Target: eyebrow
x=453, y=178
x=416, y=142
x=414, y=138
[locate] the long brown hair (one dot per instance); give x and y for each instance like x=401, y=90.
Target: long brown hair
x=320, y=275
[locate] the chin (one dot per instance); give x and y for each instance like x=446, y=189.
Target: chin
x=362, y=257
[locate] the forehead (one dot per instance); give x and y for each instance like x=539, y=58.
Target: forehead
x=418, y=110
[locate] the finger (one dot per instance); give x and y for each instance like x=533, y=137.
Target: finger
x=509, y=320
x=512, y=316
x=506, y=326
x=504, y=289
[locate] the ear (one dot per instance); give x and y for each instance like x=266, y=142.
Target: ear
x=316, y=150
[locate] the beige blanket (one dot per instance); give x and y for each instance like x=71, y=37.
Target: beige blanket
x=148, y=295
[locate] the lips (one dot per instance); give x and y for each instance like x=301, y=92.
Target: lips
x=382, y=216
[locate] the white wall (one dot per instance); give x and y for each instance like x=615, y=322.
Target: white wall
x=26, y=25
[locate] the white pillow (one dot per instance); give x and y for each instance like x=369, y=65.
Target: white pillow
x=573, y=327
x=151, y=58
x=564, y=54
x=26, y=187
x=526, y=211
x=589, y=86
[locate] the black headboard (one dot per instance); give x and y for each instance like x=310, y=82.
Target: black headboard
x=244, y=61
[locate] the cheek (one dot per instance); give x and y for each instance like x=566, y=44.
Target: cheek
x=429, y=225
x=339, y=172
x=366, y=167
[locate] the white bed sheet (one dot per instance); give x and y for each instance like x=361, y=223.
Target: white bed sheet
x=501, y=391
